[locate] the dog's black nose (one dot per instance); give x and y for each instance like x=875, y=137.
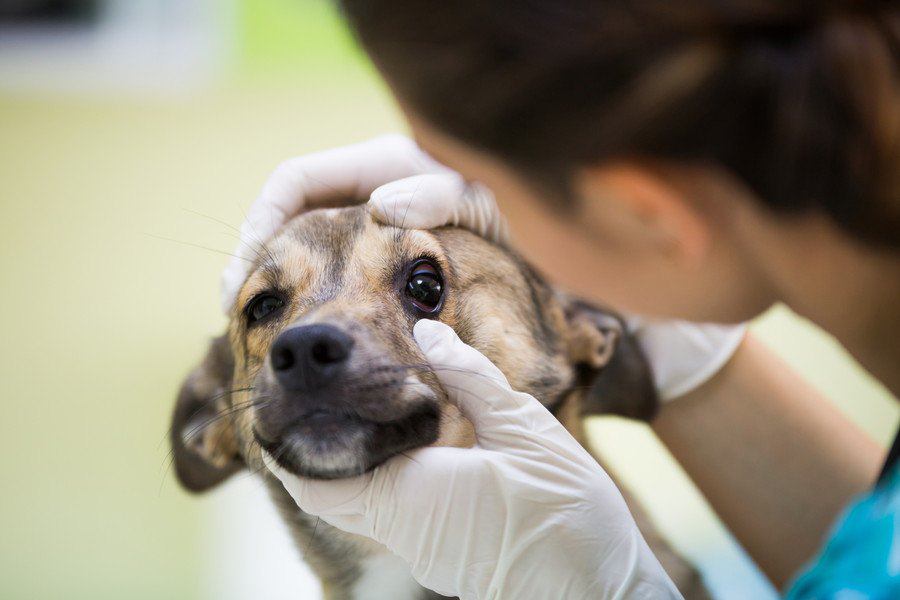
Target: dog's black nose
x=308, y=357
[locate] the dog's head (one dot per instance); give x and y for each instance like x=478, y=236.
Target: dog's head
x=320, y=368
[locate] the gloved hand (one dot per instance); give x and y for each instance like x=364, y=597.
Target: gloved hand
x=347, y=173
x=410, y=189
x=526, y=513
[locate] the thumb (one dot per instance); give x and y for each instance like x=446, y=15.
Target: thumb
x=499, y=414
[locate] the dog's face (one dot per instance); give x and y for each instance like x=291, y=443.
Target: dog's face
x=320, y=368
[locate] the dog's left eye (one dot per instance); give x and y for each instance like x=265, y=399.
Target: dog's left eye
x=424, y=287
x=262, y=306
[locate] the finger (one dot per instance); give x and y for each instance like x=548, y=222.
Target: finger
x=418, y=202
x=435, y=200
x=347, y=174
x=500, y=415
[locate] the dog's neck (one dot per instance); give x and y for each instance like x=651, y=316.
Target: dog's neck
x=347, y=569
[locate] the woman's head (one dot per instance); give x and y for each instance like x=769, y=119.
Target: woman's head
x=794, y=105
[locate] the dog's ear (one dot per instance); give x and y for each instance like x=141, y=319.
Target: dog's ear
x=204, y=445
x=611, y=371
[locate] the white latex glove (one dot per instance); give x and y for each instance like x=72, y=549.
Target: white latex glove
x=340, y=174
x=684, y=355
x=526, y=513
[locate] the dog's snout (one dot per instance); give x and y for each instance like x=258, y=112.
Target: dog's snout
x=308, y=357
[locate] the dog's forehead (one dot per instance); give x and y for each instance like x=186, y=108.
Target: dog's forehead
x=327, y=247
x=329, y=231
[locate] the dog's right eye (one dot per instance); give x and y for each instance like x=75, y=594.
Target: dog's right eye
x=262, y=306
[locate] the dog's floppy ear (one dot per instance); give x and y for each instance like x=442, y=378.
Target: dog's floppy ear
x=203, y=442
x=612, y=372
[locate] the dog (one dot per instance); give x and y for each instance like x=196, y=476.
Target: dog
x=319, y=367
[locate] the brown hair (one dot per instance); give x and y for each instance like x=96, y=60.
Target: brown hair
x=799, y=99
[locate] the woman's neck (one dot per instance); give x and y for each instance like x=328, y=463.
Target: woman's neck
x=849, y=289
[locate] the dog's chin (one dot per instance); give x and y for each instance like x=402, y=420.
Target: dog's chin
x=327, y=445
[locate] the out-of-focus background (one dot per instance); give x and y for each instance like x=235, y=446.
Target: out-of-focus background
x=130, y=130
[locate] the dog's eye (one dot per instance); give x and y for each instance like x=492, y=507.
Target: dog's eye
x=424, y=287
x=262, y=306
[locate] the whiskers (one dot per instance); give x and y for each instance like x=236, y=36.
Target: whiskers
x=228, y=412
x=437, y=368
x=390, y=385
x=254, y=251
x=194, y=245
x=235, y=233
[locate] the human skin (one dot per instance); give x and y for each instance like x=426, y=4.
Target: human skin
x=775, y=460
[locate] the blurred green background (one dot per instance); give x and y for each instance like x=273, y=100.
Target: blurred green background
x=101, y=317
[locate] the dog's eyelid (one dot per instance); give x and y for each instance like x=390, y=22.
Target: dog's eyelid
x=256, y=305
x=428, y=258
x=267, y=277
x=259, y=281
x=267, y=291
x=425, y=265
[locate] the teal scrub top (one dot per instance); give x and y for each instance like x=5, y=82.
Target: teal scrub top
x=861, y=559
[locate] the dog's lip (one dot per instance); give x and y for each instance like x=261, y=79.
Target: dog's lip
x=325, y=421
x=313, y=422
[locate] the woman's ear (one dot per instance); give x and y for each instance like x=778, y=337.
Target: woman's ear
x=612, y=374
x=204, y=445
x=638, y=201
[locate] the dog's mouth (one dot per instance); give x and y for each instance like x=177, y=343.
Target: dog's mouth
x=328, y=444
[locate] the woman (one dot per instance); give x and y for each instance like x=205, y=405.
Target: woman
x=709, y=158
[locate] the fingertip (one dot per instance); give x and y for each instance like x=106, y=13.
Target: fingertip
x=380, y=208
x=375, y=207
x=384, y=199
x=430, y=334
x=379, y=194
x=455, y=361
x=273, y=466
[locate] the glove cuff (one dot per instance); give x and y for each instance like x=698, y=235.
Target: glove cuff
x=683, y=355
